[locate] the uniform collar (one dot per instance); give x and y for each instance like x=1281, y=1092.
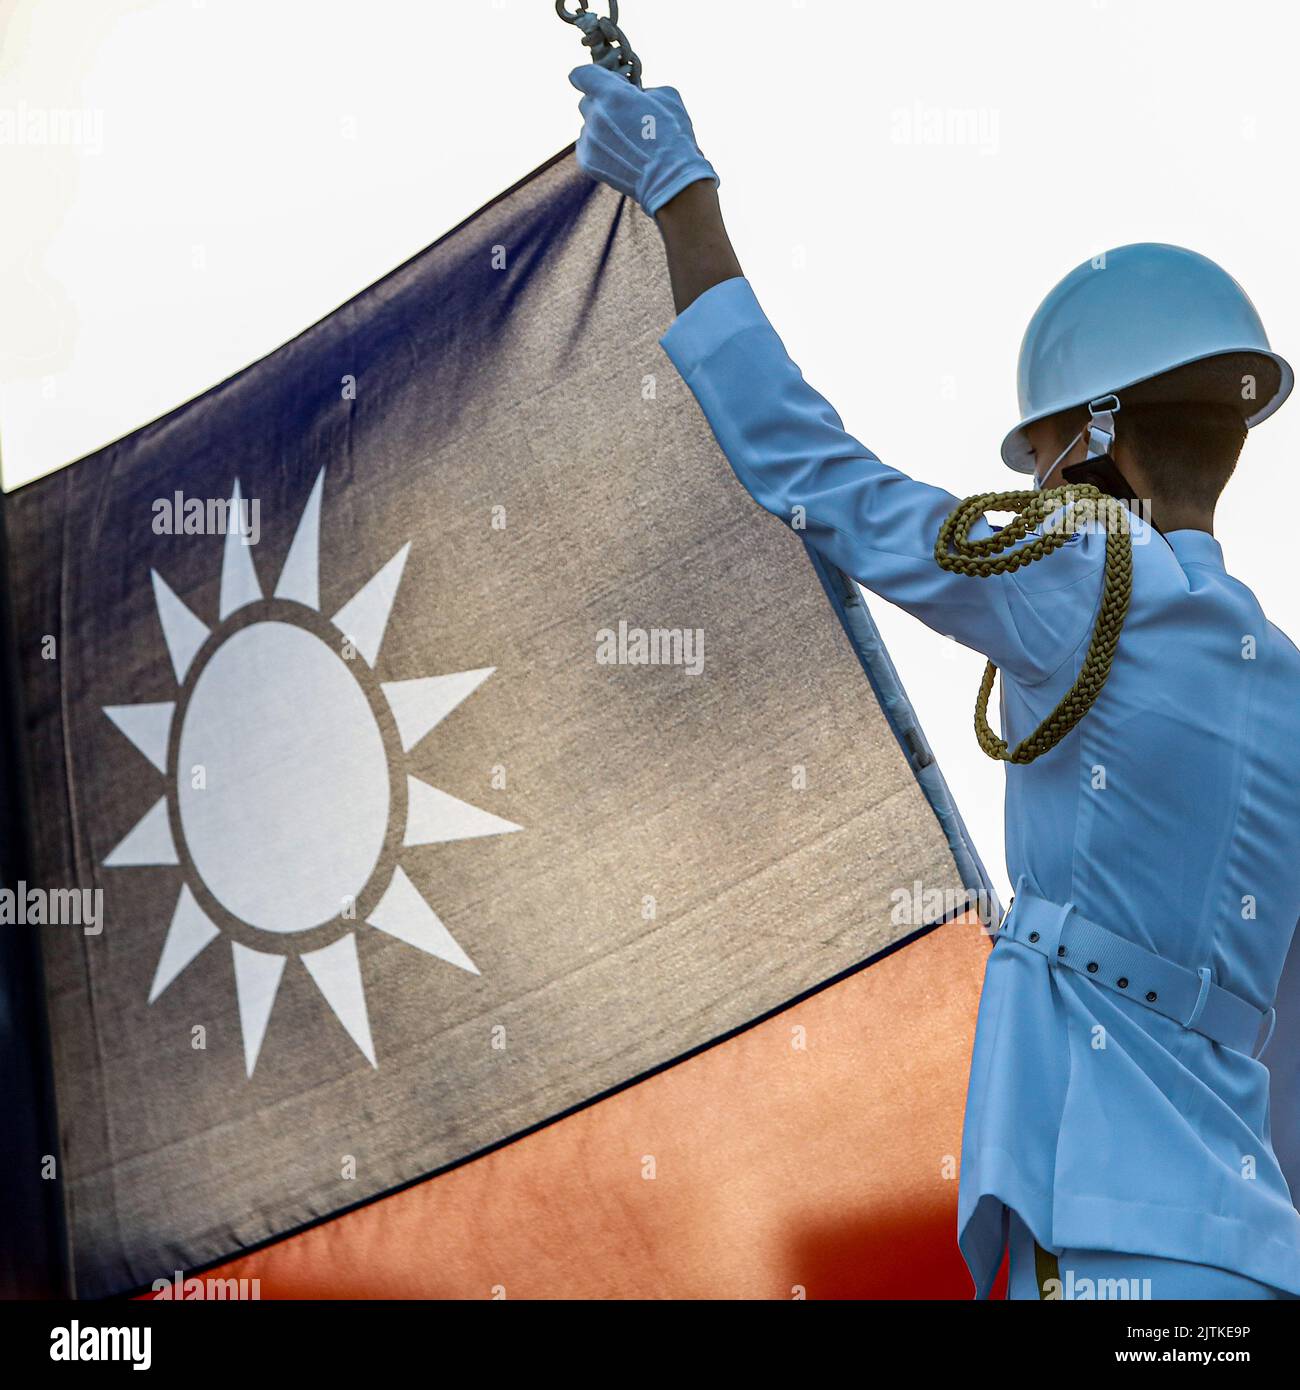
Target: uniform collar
x=1195, y=548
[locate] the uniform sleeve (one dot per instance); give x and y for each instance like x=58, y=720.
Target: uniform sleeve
x=792, y=453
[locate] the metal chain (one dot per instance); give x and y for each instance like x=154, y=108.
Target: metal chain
x=608, y=43
x=1080, y=505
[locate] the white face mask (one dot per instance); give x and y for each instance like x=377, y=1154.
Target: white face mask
x=1038, y=482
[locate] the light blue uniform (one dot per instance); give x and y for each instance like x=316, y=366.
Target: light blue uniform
x=1171, y=815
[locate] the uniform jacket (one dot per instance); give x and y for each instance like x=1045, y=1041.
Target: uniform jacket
x=1170, y=814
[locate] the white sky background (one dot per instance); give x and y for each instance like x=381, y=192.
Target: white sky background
x=248, y=166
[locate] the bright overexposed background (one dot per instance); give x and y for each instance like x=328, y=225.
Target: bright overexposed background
x=903, y=182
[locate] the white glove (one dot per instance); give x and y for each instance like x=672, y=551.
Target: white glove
x=639, y=142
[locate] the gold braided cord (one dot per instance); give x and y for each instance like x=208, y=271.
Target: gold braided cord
x=1071, y=509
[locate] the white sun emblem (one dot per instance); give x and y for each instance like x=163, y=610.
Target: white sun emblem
x=280, y=804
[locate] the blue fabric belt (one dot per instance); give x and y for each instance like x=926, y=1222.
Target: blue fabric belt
x=1189, y=997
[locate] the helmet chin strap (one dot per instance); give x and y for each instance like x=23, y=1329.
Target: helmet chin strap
x=1101, y=426
x=1100, y=430
x=1098, y=465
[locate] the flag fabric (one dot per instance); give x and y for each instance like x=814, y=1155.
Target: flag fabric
x=519, y=866
x=813, y=1155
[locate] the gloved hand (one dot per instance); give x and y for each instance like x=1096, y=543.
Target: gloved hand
x=639, y=142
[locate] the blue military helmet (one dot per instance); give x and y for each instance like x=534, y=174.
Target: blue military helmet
x=1129, y=318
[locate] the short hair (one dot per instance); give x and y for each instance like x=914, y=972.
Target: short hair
x=1187, y=427
x=1189, y=447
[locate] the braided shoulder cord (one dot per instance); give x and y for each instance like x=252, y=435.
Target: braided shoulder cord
x=1078, y=506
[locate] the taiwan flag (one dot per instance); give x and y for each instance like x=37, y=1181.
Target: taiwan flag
x=518, y=872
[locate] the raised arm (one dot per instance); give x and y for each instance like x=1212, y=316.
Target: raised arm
x=785, y=442
x=700, y=253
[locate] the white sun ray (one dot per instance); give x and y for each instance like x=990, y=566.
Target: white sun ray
x=433, y=817
x=420, y=704
x=257, y=979
x=149, y=843
x=147, y=726
x=239, y=584
x=403, y=913
x=182, y=631
x=233, y=689
x=364, y=616
x=188, y=934
x=300, y=578
x=337, y=973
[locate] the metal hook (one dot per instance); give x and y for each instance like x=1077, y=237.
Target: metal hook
x=607, y=42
